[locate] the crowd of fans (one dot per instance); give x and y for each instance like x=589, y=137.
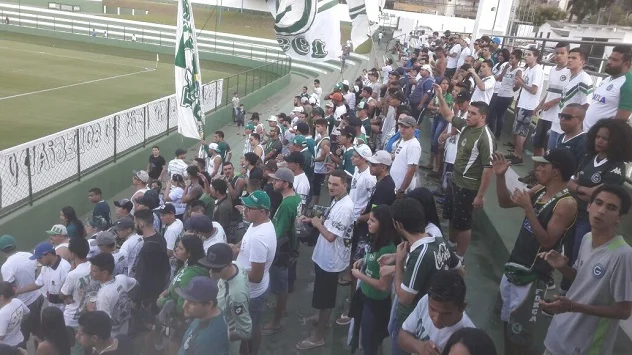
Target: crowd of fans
x=186, y=264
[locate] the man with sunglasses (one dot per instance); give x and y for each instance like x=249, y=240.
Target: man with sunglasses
x=256, y=254
x=208, y=333
x=233, y=295
x=574, y=137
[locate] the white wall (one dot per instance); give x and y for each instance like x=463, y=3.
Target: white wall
x=492, y=22
x=436, y=22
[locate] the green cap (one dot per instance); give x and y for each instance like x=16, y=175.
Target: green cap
x=300, y=140
x=250, y=126
x=257, y=199
x=8, y=242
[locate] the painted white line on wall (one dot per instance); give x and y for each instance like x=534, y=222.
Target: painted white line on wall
x=76, y=84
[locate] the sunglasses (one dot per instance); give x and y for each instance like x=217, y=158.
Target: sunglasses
x=565, y=116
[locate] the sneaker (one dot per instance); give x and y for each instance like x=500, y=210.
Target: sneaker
x=509, y=156
x=508, y=144
x=525, y=179
x=516, y=160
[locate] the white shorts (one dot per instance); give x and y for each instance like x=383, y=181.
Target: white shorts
x=512, y=296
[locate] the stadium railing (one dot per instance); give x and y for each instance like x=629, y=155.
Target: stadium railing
x=31, y=170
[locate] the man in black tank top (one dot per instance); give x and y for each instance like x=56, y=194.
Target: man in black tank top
x=550, y=213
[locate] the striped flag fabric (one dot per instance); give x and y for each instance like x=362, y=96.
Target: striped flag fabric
x=188, y=78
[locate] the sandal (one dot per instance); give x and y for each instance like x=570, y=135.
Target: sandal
x=426, y=167
x=270, y=331
x=308, y=344
x=343, y=320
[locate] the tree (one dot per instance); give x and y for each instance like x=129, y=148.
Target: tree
x=582, y=8
x=547, y=13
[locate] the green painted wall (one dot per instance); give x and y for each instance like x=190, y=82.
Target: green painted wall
x=28, y=224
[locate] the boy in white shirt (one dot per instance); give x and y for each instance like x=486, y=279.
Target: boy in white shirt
x=12, y=313
x=437, y=315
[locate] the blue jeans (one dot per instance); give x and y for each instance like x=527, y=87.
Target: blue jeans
x=373, y=329
x=497, y=108
x=553, y=138
x=438, y=125
x=393, y=329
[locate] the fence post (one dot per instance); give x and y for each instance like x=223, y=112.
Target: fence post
x=160, y=38
x=28, y=170
x=115, y=134
x=124, y=33
x=143, y=36
x=144, y=126
x=72, y=26
x=266, y=54
x=89, y=26
x=216, y=100
x=78, y=157
x=233, y=48
x=245, y=84
x=54, y=24
x=168, y=114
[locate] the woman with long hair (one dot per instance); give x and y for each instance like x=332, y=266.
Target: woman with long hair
x=609, y=147
x=438, y=126
x=469, y=341
x=425, y=197
x=374, y=288
x=505, y=73
x=174, y=191
x=56, y=339
x=188, y=251
x=68, y=218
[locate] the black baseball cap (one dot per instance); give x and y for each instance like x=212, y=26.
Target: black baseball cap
x=218, y=256
x=463, y=96
x=124, y=203
x=348, y=131
x=295, y=157
x=168, y=208
x=199, y=289
x=561, y=158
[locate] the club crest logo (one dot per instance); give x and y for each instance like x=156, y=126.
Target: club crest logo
x=609, y=87
x=598, y=271
x=563, y=78
x=596, y=178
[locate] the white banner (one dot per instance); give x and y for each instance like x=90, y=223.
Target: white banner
x=188, y=75
x=308, y=30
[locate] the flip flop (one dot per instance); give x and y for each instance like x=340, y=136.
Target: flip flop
x=343, y=320
x=270, y=331
x=308, y=344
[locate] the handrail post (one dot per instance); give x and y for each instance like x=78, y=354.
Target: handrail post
x=168, y=114
x=30, y=178
x=114, y=134
x=145, y=126
x=78, y=156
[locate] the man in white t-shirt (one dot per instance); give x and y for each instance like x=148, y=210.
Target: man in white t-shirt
x=132, y=244
x=484, y=84
x=78, y=286
x=613, y=97
x=387, y=68
x=174, y=229
x=113, y=296
x=466, y=51
x=436, y=316
x=406, y=157
x=318, y=91
x=52, y=275
x=549, y=106
x=362, y=182
x=295, y=162
x=331, y=254
x=256, y=254
x=139, y=181
x=531, y=83
x=453, y=59
x=209, y=231
x=19, y=270
x=12, y=314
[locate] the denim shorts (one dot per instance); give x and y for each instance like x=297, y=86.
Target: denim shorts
x=256, y=308
x=278, y=279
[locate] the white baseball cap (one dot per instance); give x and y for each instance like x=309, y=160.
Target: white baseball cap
x=312, y=100
x=364, y=151
x=273, y=119
x=381, y=157
x=213, y=146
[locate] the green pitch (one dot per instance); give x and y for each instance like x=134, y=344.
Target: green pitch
x=49, y=85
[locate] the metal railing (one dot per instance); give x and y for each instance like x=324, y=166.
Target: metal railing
x=31, y=170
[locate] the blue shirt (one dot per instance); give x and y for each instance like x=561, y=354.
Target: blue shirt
x=395, y=137
x=206, y=337
x=423, y=86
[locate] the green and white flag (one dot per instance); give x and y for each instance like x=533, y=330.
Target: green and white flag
x=188, y=76
x=364, y=16
x=308, y=30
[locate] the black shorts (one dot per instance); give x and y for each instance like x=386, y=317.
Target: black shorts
x=31, y=324
x=542, y=128
x=325, y=288
x=317, y=182
x=458, y=207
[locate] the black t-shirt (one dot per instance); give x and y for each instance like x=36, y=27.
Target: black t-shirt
x=152, y=268
x=592, y=172
x=155, y=166
x=384, y=194
x=102, y=209
x=275, y=198
x=577, y=145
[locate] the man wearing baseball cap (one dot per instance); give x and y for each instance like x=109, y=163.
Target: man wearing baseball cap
x=295, y=162
x=420, y=97
x=249, y=128
x=256, y=254
x=384, y=191
x=174, y=229
x=132, y=242
x=58, y=236
x=287, y=252
x=342, y=157
x=177, y=165
x=123, y=208
x=140, y=179
x=106, y=241
x=406, y=157
x=208, y=332
x=208, y=230
x=52, y=275
x=233, y=294
x=551, y=209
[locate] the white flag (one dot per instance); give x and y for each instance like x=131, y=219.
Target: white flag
x=188, y=76
x=364, y=16
x=308, y=29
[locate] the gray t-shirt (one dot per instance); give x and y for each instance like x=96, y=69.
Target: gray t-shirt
x=604, y=276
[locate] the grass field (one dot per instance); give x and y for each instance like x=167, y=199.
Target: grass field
x=49, y=85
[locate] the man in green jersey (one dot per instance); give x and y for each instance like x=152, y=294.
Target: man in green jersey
x=233, y=293
x=419, y=257
x=223, y=147
x=285, y=258
x=472, y=168
x=550, y=212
